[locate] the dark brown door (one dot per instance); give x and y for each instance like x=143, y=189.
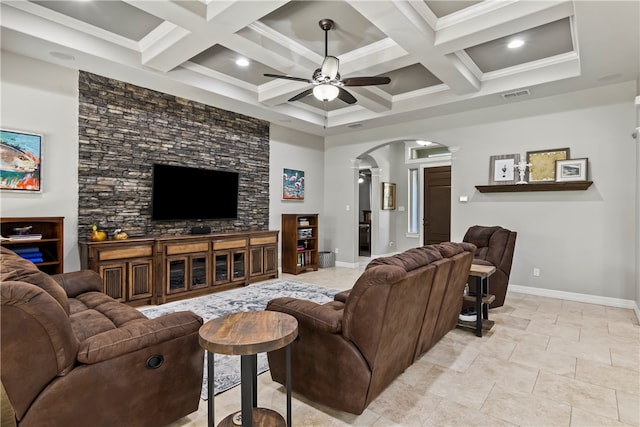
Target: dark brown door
x=437, y=205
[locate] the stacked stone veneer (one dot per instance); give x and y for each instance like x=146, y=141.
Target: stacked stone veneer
x=124, y=129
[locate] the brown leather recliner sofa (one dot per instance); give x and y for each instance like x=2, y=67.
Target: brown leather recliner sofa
x=72, y=356
x=495, y=247
x=350, y=349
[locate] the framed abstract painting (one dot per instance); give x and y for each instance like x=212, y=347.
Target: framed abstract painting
x=20, y=161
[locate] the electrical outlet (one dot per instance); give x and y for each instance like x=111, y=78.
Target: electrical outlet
x=336, y=250
x=536, y=271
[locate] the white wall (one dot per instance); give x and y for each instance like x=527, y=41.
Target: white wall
x=583, y=242
x=43, y=98
x=296, y=150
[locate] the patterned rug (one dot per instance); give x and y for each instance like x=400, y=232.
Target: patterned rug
x=250, y=298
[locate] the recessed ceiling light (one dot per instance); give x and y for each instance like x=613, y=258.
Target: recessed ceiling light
x=515, y=43
x=242, y=62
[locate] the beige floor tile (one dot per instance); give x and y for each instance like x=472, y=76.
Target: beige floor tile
x=525, y=409
x=624, y=329
x=405, y=404
x=519, y=336
x=449, y=413
x=621, y=314
x=457, y=386
x=593, y=398
x=507, y=375
x=451, y=354
x=535, y=315
x=466, y=380
x=628, y=408
x=561, y=331
x=535, y=357
x=580, y=349
x=583, y=307
x=626, y=357
x=582, y=418
x=608, y=376
x=510, y=321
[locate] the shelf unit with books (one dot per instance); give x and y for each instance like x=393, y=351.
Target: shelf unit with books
x=299, y=243
x=41, y=243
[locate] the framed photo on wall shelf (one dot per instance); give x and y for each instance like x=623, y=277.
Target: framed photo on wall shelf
x=292, y=184
x=502, y=169
x=21, y=161
x=543, y=164
x=388, y=196
x=571, y=170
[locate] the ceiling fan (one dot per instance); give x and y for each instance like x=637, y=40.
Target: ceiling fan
x=326, y=80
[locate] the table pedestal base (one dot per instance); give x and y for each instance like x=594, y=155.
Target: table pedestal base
x=260, y=416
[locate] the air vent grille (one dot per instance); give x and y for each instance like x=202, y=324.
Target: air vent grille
x=516, y=94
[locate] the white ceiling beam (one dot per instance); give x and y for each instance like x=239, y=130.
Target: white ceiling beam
x=182, y=45
x=410, y=30
x=497, y=22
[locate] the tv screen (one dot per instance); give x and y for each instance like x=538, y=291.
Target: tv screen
x=192, y=193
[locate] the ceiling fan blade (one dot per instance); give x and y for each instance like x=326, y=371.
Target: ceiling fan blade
x=346, y=96
x=330, y=67
x=302, y=95
x=366, y=81
x=298, y=79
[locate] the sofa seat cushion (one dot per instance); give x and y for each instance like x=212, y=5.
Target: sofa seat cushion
x=94, y=312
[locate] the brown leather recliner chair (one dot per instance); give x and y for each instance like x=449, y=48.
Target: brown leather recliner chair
x=73, y=356
x=495, y=247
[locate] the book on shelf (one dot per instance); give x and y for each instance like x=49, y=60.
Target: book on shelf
x=303, y=222
x=18, y=237
x=28, y=250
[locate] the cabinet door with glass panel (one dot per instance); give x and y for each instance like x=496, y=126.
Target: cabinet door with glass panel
x=186, y=267
x=229, y=261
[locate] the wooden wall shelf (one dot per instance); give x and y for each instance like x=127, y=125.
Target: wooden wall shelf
x=519, y=188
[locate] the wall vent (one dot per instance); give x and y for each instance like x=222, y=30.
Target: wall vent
x=516, y=94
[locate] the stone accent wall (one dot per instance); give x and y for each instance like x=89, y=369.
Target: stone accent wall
x=124, y=129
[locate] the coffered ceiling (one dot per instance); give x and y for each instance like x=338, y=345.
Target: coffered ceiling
x=441, y=56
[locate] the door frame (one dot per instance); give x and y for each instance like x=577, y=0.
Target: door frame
x=427, y=165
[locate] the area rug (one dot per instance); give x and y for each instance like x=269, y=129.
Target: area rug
x=250, y=298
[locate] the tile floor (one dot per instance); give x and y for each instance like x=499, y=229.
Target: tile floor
x=546, y=362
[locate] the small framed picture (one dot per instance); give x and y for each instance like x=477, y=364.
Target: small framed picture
x=543, y=163
x=502, y=169
x=571, y=170
x=388, y=196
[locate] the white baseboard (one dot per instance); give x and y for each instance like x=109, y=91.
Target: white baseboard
x=346, y=264
x=572, y=296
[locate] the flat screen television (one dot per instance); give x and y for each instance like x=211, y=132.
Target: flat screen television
x=180, y=193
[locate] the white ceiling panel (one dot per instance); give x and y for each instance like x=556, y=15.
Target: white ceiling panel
x=441, y=55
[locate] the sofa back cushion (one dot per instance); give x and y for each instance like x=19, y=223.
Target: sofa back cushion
x=410, y=259
x=15, y=268
x=383, y=316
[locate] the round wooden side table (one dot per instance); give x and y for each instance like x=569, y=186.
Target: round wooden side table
x=246, y=334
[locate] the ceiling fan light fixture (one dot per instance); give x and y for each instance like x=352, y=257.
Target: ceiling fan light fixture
x=330, y=67
x=325, y=92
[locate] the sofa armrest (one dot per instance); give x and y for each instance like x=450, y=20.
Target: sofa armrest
x=342, y=296
x=323, y=317
x=137, y=335
x=79, y=282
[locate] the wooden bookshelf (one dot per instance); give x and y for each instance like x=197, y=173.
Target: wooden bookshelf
x=299, y=243
x=47, y=241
